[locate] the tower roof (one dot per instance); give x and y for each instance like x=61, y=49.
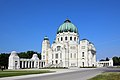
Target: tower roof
x=46, y=38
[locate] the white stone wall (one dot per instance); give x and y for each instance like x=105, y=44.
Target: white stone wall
x=70, y=53
x=14, y=61
x=21, y=63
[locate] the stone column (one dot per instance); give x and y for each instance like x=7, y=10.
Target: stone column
x=34, y=64
x=25, y=64
x=38, y=64
x=43, y=63
x=28, y=64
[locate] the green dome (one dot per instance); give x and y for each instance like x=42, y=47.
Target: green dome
x=67, y=26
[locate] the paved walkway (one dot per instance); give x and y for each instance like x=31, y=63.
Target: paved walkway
x=58, y=71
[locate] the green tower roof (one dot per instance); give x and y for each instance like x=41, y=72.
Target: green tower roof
x=67, y=26
x=46, y=38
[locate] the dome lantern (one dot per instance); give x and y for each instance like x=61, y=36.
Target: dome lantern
x=46, y=38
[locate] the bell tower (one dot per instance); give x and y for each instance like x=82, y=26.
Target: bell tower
x=45, y=47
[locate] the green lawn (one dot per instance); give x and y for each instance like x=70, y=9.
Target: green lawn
x=107, y=76
x=118, y=66
x=8, y=73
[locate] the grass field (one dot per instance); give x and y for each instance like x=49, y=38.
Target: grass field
x=8, y=73
x=107, y=76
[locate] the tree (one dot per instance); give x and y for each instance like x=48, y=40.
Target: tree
x=107, y=59
x=28, y=54
x=119, y=60
x=4, y=60
x=116, y=61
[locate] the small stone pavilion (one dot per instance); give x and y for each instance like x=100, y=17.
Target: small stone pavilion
x=16, y=63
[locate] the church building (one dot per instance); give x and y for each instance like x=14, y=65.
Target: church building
x=68, y=50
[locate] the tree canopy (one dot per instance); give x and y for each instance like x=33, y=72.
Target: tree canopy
x=116, y=61
x=107, y=59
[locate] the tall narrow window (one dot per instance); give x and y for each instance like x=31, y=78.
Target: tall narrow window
x=58, y=39
x=61, y=39
x=74, y=38
x=65, y=38
x=56, y=56
x=43, y=56
x=71, y=38
x=56, y=61
x=74, y=55
x=58, y=48
x=82, y=54
x=71, y=55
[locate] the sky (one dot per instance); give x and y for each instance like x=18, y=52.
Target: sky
x=24, y=23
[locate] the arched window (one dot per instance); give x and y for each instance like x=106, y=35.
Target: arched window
x=56, y=61
x=65, y=38
x=43, y=56
x=61, y=39
x=82, y=54
x=71, y=38
x=56, y=56
x=74, y=38
x=58, y=48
